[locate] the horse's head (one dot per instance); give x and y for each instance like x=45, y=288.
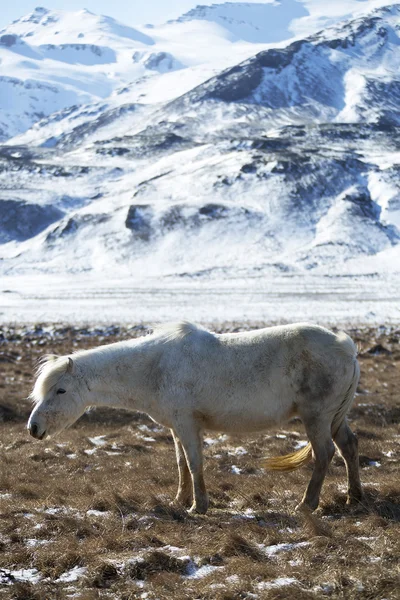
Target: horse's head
x=58, y=397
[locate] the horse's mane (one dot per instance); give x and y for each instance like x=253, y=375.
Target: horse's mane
x=178, y=331
x=49, y=371
x=52, y=367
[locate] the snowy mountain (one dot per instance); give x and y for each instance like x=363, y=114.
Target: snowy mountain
x=348, y=73
x=252, y=22
x=231, y=159
x=52, y=60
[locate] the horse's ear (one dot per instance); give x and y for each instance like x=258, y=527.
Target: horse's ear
x=70, y=366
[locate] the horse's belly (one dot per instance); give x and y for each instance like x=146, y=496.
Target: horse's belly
x=246, y=418
x=237, y=425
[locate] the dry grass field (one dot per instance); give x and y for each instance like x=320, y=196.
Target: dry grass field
x=87, y=515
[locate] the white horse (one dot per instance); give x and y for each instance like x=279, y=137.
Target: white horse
x=189, y=380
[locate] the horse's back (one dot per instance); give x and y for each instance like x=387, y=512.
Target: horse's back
x=264, y=348
x=246, y=381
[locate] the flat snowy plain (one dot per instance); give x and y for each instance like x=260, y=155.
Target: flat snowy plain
x=341, y=301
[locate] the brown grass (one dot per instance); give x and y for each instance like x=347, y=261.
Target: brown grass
x=136, y=545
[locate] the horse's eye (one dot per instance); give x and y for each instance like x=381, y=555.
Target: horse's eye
x=60, y=391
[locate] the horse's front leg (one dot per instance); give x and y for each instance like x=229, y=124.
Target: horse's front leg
x=189, y=434
x=184, y=495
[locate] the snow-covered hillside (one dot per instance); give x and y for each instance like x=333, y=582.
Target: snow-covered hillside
x=52, y=59
x=232, y=160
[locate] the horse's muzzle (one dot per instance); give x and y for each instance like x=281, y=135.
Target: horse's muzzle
x=34, y=431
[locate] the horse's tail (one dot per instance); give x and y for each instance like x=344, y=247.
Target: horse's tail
x=294, y=460
x=289, y=462
x=347, y=401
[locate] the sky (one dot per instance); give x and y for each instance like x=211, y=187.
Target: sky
x=139, y=12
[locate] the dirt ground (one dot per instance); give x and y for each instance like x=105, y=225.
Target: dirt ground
x=87, y=515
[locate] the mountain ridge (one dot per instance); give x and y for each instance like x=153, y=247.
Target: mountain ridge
x=286, y=162
x=277, y=15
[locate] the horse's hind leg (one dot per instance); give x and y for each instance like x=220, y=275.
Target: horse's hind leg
x=189, y=435
x=323, y=450
x=184, y=495
x=347, y=444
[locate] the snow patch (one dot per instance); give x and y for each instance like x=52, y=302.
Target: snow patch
x=97, y=513
x=300, y=444
x=277, y=583
x=99, y=440
x=8, y=577
x=239, y=451
x=285, y=547
x=72, y=575
x=33, y=542
x=200, y=572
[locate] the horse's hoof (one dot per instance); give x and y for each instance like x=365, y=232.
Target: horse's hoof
x=198, y=509
x=304, y=508
x=354, y=501
x=180, y=503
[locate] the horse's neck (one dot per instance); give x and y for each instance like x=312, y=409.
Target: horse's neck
x=118, y=377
